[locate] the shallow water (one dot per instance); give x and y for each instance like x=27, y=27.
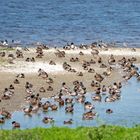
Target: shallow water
x=126, y=112
x=57, y=22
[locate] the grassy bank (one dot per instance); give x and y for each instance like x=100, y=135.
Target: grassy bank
x=81, y=133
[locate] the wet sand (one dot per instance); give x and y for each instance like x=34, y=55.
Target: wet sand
x=8, y=71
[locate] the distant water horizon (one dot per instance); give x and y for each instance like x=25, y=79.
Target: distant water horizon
x=57, y=22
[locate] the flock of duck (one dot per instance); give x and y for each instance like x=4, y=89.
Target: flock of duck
x=68, y=96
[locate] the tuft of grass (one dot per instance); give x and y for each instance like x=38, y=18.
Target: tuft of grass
x=83, y=133
x=6, y=49
x=2, y=61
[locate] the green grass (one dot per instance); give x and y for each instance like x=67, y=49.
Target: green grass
x=80, y=133
x=3, y=61
x=6, y=49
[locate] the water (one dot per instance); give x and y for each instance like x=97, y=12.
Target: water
x=126, y=112
x=56, y=22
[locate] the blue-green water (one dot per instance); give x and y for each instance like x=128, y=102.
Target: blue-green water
x=57, y=22
x=126, y=112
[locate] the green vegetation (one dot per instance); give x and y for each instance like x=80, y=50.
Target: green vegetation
x=80, y=133
x=3, y=61
x=6, y=49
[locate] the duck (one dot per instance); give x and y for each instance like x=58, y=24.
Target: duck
x=28, y=110
x=42, y=89
x=46, y=105
x=70, y=121
x=36, y=108
x=69, y=109
x=68, y=100
x=73, y=94
x=99, y=60
x=97, y=98
x=111, y=60
x=92, y=61
x=104, y=89
x=81, y=99
x=119, y=85
x=15, y=124
x=98, y=91
x=89, y=115
x=109, y=99
x=98, y=77
x=32, y=59
x=60, y=53
x=81, y=53
x=79, y=74
x=7, y=92
x=16, y=81
x=5, y=97
x=42, y=73
x=28, y=85
x=109, y=111
x=2, y=54
x=54, y=107
x=103, y=66
x=108, y=72
x=94, y=52
x=88, y=105
x=92, y=83
x=12, y=89
x=49, y=80
x=33, y=100
x=5, y=113
x=50, y=88
x=21, y=75
x=29, y=91
x=91, y=70
x=48, y=120
x=133, y=59
x=59, y=99
x=2, y=120
x=76, y=82
x=52, y=62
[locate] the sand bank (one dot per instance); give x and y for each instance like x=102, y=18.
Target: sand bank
x=8, y=71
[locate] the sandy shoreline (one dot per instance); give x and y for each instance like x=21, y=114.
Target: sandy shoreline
x=8, y=71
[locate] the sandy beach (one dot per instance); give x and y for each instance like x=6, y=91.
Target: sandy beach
x=10, y=68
